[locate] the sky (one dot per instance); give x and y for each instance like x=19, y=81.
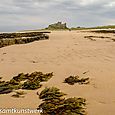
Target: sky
x=34, y=14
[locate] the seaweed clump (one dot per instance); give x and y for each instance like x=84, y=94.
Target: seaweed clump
x=5, y=87
x=24, y=81
x=113, y=40
x=76, y=79
x=55, y=104
x=34, y=79
x=19, y=94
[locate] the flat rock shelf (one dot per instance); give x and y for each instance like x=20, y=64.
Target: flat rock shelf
x=7, y=39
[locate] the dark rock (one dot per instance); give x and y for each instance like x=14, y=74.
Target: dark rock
x=21, y=38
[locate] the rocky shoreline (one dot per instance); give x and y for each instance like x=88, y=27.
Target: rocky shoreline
x=7, y=39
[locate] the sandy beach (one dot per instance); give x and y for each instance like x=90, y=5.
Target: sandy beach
x=65, y=53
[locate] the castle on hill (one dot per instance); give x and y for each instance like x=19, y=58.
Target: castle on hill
x=58, y=25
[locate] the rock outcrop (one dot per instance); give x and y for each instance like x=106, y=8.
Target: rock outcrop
x=7, y=39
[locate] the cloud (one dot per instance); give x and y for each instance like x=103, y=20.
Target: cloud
x=32, y=14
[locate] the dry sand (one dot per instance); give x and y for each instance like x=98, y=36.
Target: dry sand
x=65, y=53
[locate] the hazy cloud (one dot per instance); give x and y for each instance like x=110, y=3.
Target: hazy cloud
x=33, y=14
